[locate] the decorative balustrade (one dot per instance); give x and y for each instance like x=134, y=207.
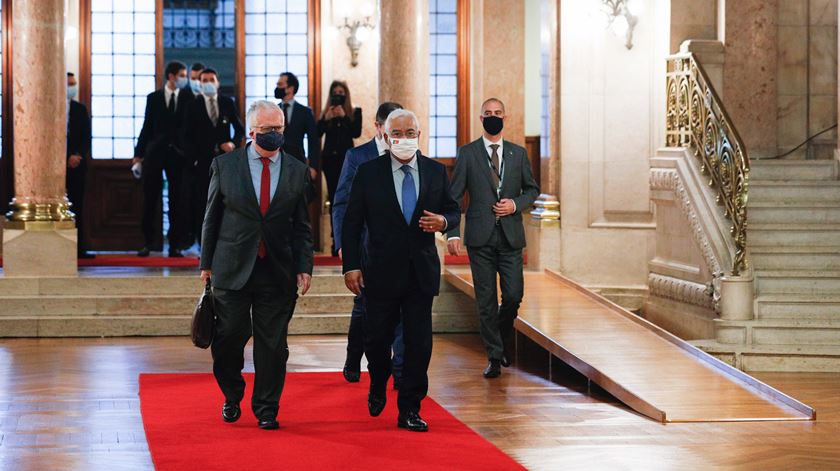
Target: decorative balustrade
x=696, y=119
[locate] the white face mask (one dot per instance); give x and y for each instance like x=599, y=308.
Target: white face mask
x=404, y=148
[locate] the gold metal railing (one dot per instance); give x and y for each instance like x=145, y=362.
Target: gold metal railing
x=696, y=119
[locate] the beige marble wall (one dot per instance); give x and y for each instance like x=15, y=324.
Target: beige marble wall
x=807, y=76
x=750, y=36
x=363, y=80
x=692, y=19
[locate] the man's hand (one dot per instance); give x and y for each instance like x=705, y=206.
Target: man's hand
x=354, y=281
x=304, y=281
x=431, y=222
x=205, y=275
x=505, y=207
x=313, y=174
x=454, y=246
x=136, y=160
x=74, y=161
x=227, y=147
x=340, y=255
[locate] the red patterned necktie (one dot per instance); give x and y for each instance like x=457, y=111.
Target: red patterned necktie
x=265, y=197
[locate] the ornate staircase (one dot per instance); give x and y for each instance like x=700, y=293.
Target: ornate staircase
x=794, y=248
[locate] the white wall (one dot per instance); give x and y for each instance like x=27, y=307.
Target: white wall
x=71, y=35
x=612, y=122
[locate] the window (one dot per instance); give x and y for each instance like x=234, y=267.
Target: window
x=276, y=41
x=189, y=24
x=122, y=73
x=443, y=78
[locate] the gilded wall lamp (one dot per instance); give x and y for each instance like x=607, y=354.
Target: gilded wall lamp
x=356, y=20
x=622, y=16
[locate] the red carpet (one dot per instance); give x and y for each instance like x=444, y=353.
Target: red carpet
x=324, y=425
x=166, y=262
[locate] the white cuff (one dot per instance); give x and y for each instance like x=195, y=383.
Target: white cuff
x=453, y=238
x=351, y=271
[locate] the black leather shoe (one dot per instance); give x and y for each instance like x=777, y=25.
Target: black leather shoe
x=144, y=252
x=351, y=375
x=268, y=423
x=493, y=370
x=505, y=361
x=231, y=412
x=376, y=401
x=412, y=422
x=175, y=254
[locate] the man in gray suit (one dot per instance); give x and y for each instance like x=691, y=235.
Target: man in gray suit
x=256, y=248
x=497, y=175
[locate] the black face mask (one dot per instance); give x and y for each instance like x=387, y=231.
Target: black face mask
x=270, y=141
x=493, y=124
x=279, y=93
x=337, y=100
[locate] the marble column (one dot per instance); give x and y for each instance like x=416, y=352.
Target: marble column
x=404, y=58
x=39, y=237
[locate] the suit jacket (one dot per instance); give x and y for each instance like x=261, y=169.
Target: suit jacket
x=472, y=174
x=201, y=137
x=78, y=131
x=352, y=160
x=161, y=129
x=233, y=225
x=395, y=247
x=303, y=122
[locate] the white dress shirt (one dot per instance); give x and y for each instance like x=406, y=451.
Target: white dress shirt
x=399, y=176
x=168, y=95
x=289, y=111
x=381, y=145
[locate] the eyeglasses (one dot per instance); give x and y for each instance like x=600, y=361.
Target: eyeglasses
x=265, y=129
x=410, y=134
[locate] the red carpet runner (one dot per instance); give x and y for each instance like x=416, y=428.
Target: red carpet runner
x=324, y=425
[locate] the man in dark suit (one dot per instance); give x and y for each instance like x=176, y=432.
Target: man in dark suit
x=355, y=336
x=299, y=122
x=160, y=150
x=497, y=175
x=78, y=151
x=402, y=199
x=257, y=251
x=207, y=134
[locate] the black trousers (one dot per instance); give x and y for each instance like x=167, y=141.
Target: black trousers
x=495, y=321
x=382, y=315
x=153, y=170
x=76, y=195
x=263, y=308
x=200, y=185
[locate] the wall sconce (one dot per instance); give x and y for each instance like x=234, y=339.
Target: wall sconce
x=622, y=16
x=357, y=29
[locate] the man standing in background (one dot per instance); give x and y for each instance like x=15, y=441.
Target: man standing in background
x=78, y=151
x=300, y=122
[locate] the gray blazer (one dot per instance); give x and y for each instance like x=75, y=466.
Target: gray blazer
x=233, y=225
x=472, y=174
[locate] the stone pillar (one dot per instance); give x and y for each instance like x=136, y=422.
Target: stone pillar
x=404, y=59
x=40, y=236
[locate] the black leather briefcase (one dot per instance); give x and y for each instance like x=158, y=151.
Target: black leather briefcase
x=204, y=319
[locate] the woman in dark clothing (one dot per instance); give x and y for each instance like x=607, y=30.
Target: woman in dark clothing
x=340, y=123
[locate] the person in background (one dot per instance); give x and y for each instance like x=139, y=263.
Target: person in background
x=159, y=149
x=300, y=122
x=497, y=175
x=340, y=123
x=207, y=135
x=195, y=72
x=356, y=334
x=402, y=200
x=78, y=151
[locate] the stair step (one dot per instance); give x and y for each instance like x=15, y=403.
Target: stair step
x=781, y=257
x=798, y=306
x=793, y=170
x=794, y=358
x=788, y=190
x=798, y=281
x=794, y=234
x=792, y=212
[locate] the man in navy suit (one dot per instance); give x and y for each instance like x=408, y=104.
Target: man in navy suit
x=352, y=160
x=402, y=199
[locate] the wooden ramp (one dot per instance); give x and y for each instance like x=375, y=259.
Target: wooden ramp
x=653, y=372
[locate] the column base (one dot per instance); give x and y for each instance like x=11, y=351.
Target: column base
x=40, y=248
x=543, y=239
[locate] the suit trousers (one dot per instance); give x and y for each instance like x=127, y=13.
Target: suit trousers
x=263, y=307
x=356, y=339
x=495, y=321
x=382, y=316
x=76, y=195
x=153, y=171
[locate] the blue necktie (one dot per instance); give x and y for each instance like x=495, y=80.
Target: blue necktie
x=409, y=197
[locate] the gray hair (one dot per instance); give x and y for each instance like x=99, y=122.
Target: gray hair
x=256, y=107
x=399, y=113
